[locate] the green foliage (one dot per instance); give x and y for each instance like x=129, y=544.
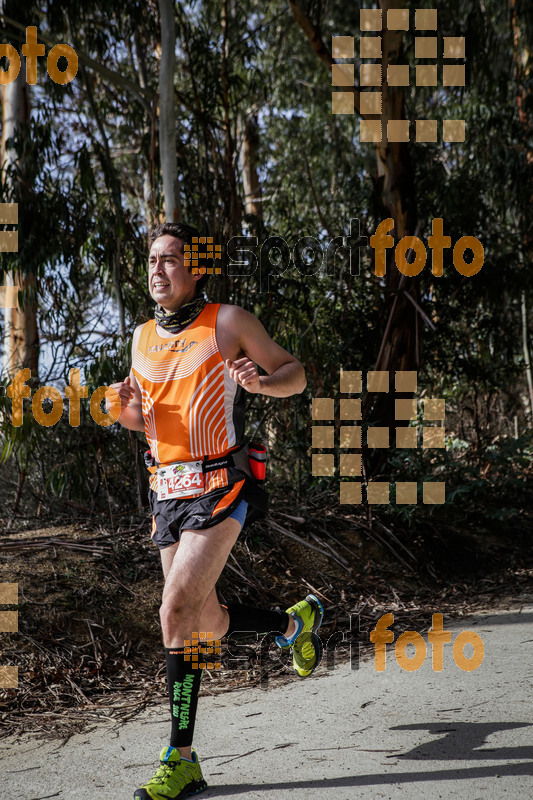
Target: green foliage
x=90, y=161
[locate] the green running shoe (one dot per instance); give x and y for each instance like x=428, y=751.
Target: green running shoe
x=175, y=778
x=305, y=642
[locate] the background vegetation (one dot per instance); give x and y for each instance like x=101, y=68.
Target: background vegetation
x=218, y=112
x=259, y=153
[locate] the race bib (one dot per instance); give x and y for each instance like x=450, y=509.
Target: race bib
x=183, y=479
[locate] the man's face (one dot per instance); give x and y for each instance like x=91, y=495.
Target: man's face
x=169, y=281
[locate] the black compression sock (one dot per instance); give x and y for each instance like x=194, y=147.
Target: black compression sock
x=183, y=686
x=249, y=618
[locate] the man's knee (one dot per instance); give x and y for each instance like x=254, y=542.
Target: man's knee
x=178, y=616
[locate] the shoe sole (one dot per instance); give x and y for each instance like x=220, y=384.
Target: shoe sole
x=318, y=607
x=195, y=788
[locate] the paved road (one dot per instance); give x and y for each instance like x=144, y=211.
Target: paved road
x=342, y=734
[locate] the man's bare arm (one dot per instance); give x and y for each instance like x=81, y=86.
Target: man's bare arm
x=131, y=415
x=286, y=380
x=285, y=376
x=130, y=398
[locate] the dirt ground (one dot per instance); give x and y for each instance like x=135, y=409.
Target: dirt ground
x=89, y=643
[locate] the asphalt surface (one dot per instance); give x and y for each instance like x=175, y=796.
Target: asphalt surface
x=344, y=733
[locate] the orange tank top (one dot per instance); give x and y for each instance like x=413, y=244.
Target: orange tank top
x=191, y=406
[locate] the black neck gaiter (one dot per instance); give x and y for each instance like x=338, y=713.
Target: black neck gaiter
x=175, y=321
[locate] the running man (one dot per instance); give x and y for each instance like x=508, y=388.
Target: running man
x=191, y=368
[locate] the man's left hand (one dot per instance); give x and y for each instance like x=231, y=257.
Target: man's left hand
x=244, y=372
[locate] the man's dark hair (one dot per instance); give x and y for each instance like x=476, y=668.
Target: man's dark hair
x=186, y=233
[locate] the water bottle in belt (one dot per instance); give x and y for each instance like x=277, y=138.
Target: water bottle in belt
x=257, y=456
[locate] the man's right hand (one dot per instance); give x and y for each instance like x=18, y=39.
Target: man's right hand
x=125, y=391
x=130, y=404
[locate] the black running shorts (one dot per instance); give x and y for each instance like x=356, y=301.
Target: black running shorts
x=171, y=517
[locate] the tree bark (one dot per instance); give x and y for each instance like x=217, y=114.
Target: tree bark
x=527, y=354
x=148, y=159
x=167, y=113
x=233, y=215
x=250, y=176
x=522, y=71
x=400, y=347
x=21, y=338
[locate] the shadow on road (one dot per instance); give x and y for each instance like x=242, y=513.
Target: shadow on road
x=510, y=618
x=458, y=742
x=472, y=773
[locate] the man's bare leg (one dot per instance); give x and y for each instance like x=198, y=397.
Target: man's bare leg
x=214, y=618
x=191, y=569
x=191, y=572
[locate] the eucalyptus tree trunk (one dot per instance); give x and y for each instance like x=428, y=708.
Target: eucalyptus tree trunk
x=522, y=70
x=250, y=176
x=149, y=130
x=232, y=214
x=527, y=354
x=167, y=112
x=233, y=208
x=21, y=338
x=400, y=346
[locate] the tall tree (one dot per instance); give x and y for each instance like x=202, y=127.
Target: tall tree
x=167, y=112
x=250, y=177
x=21, y=339
x=522, y=31
x=400, y=345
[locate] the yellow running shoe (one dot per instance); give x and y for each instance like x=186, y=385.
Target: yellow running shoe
x=175, y=779
x=305, y=642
